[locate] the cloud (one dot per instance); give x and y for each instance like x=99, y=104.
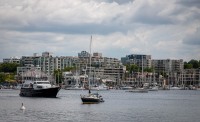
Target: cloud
x=189, y=3
x=193, y=38
x=117, y=1
x=162, y=29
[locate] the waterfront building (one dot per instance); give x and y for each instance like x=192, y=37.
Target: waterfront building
x=102, y=67
x=169, y=68
x=21, y=71
x=68, y=78
x=142, y=61
x=48, y=63
x=188, y=77
x=12, y=60
x=29, y=60
x=167, y=65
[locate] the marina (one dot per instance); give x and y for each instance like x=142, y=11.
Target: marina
x=120, y=106
x=143, y=65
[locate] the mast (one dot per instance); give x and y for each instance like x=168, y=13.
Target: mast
x=90, y=63
x=142, y=69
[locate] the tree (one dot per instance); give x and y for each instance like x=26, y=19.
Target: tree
x=187, y=66
x=194, y=63
x=132, y=68
x=58, y=75
x=67, y=69
x=2, y=77
x=8, y=67
x=148, y=69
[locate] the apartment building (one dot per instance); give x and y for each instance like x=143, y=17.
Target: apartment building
x=137, y=59
x=189, y=77
x=48, y=63
x=167, y=65
x=12, y=60
x=102, y=67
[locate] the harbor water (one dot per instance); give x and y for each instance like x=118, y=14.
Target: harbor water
x=119, y=106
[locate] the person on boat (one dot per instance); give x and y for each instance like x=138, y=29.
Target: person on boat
x=89, y=91
x=31, y=85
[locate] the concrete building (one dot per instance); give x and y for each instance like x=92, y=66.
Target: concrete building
x=83, y=54
x=188, y=77
x=167, y=65
x=102, y=67
x=139, y=60
x=12, y=60
x=48, y=63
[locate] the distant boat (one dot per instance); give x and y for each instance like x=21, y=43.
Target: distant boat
x=91, y=98
x=139, y=90
x=101, y=87
x=37, y=86
x=75, y=87
x=154, y=88
x=175, y=88
x=126, y=88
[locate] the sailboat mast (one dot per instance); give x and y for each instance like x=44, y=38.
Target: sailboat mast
x=90, y=61
x=142, y=69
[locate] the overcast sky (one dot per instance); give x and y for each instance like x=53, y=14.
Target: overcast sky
x=164, y=29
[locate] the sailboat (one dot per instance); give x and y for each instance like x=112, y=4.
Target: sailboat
x=140, y=90
x=76, y=86
x=91, y=97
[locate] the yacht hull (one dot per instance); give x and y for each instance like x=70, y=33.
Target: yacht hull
x=30, y=92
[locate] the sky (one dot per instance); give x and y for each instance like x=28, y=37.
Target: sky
x=164, y=29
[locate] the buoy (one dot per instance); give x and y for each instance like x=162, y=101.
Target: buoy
x=22, y=107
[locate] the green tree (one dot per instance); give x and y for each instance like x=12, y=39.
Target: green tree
x=194, y=63
x=67, y=69
x=188, y=66
x=2, y=77
x=132, y=68
x=8, y=67
x=58, y=75
x=148, y=69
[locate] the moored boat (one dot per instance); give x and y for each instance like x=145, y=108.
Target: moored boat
x=37, y=85
x=91, y=98
x=139, y=90
x=38, y=89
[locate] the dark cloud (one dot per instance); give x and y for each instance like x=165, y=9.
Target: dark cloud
x=189, y=3
x=152, y=19
x=91, y=28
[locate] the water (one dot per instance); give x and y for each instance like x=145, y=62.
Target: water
x=119, y=106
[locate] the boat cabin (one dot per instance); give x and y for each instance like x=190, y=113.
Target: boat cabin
x=36, y=84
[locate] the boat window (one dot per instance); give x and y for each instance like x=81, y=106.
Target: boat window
x=26, y=85
x=43, y=83
x=35, y=82
x=39, y=86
